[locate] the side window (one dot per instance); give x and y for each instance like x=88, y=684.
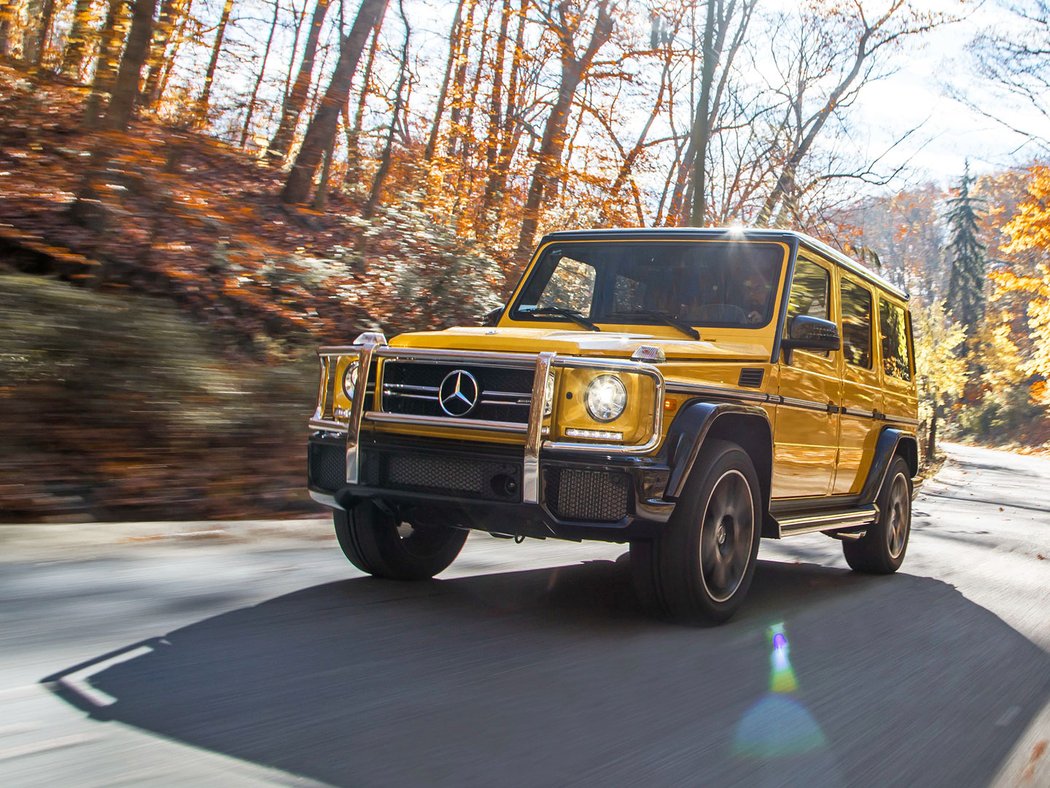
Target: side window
x=810, y=295
x=571, y=286
x=856, y=323
x=809, y=291
x=896, y=350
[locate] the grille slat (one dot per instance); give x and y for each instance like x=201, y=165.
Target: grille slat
x=412, y=388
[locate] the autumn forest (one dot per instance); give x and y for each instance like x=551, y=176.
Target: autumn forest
x=195, y=193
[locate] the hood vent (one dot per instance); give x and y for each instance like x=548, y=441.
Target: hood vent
x=751, y=378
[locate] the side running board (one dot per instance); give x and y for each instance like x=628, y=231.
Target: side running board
x=836, y=520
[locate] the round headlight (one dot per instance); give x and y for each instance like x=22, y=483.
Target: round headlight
x=350, y=379
x=606, y=398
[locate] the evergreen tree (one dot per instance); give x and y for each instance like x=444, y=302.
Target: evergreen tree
x=966, y=295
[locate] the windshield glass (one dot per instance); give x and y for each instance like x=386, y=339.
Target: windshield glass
x=730, y=284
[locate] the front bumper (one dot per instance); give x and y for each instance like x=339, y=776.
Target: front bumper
x=535, y=487
x=580, y=496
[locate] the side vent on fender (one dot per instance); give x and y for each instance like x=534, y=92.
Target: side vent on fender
x=752, y=378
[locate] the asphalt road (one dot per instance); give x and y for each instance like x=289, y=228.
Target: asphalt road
x=229, y=654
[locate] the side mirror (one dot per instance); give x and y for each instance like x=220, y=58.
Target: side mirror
x=492, y=318
x=811, y=333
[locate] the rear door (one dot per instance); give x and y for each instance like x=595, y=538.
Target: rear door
x=898, y=359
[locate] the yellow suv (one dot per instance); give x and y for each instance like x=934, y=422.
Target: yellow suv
x=684, y=391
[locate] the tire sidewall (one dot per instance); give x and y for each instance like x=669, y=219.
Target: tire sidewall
x=898, y=468
x=682, y=563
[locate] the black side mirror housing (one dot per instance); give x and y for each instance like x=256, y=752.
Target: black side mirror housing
x=811, y=333
x=492, y=318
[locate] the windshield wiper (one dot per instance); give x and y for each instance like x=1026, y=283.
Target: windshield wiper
x=667, y=320
x=572, y=314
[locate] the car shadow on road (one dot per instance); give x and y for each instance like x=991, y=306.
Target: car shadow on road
x=555, y=676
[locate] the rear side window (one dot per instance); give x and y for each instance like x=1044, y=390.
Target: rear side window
x=856, y=323
x=896, y=350
x=809, y=291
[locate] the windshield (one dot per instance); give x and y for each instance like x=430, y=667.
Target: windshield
x=730, y=284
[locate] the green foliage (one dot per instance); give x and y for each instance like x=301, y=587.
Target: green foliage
x=967, y=280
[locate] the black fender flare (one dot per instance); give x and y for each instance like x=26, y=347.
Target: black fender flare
x=689, y=430
x=886, y=446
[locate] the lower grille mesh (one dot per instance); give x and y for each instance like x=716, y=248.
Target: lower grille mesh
x=445, y=473
x=484, y=478
x=327, y=466
x=594, y=496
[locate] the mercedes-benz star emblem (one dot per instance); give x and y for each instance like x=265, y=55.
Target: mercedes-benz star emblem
x=458, y=393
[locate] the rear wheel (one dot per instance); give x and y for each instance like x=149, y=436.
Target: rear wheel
x=376, y=543
x=700, y=568
x=881, y=550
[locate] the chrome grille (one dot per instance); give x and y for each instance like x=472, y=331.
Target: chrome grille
x=504, y=394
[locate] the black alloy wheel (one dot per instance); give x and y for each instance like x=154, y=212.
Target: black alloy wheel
x=698, y=571
x=882, y=548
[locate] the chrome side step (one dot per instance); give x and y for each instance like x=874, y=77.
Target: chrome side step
x=811, y=522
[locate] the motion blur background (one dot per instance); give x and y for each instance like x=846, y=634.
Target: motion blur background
x=194, y=194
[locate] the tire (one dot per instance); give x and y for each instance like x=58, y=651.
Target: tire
x=699, y=570
x=881, y=550
x=377, y=544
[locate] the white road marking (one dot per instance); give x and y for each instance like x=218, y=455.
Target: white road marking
x=50, y=744
x=19, y=727
x=78, y=682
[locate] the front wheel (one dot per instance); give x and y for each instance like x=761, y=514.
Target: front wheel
x=699, y=569
x=377, y=544
x=881, y=550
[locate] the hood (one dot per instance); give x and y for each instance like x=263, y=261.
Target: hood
x=577, y=343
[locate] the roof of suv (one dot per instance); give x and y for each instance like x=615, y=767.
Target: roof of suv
x=730, y=233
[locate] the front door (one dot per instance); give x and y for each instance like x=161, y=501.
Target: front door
x=806, y=430
x=861, y=390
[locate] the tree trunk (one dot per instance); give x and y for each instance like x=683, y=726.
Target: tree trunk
x=353, y=134
x=262, y=72
x=200, y=112
x=494, y=135
x=931, y=440
x=453, y=45
x=77, y=40
x=7, y=13
x=509, y=133
x=35, y=47
x=459, y=79
x=321, y=197
x=172, y=12
x=573, y=70
x=292, y=108
x=388, y=145
x=126, y=90
x=701, y=132
x=325, y=123
x=108, y=62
